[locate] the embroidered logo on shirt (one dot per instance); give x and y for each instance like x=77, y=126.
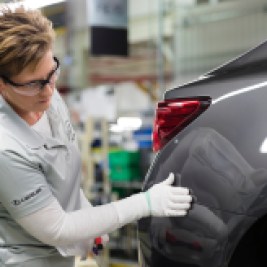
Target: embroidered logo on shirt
x=69, y=131
x=17, y=202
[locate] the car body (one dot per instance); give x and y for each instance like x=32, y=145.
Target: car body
x=212, y=134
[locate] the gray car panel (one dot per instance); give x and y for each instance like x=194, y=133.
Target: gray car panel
x=221, y=157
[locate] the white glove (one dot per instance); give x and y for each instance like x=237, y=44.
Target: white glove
x=164, y=199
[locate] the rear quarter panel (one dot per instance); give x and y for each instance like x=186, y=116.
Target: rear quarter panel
x=221, y=157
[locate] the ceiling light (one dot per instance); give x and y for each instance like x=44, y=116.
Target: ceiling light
x=129, y=123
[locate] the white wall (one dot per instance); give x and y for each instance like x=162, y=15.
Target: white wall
x=209, y=35
x=205, y=35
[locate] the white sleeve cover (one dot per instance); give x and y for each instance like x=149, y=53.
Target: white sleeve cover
x=84, y=201
x=83, y=247
x=53, y=226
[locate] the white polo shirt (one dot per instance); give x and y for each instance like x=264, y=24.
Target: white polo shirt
x=33, y=170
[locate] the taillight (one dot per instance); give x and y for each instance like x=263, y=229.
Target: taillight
x=172, y=115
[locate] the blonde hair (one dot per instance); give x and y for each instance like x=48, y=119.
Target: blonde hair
x=25, y=36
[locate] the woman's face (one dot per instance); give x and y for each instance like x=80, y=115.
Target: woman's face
x=25, y=104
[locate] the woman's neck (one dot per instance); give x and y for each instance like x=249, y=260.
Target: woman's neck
x=31, y=117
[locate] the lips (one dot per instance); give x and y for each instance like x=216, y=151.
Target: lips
x=44, y=100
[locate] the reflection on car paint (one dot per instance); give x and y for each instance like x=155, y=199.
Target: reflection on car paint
x=210, y=161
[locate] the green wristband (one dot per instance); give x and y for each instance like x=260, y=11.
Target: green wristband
x=148, y=201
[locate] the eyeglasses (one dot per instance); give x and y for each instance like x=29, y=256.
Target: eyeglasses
x=34, y=87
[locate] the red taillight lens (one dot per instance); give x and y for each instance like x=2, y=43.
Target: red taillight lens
x=173, y=115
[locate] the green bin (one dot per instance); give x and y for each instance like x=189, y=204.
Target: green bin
x=124, y=165
x=122, y=157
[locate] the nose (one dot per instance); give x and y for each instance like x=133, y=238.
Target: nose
x=47, y=89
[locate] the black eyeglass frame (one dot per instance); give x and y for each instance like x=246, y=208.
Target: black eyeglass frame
x=42, y=83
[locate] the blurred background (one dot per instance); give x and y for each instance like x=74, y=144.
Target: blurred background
x=118, y=57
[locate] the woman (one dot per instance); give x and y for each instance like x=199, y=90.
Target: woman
x=45, y=220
